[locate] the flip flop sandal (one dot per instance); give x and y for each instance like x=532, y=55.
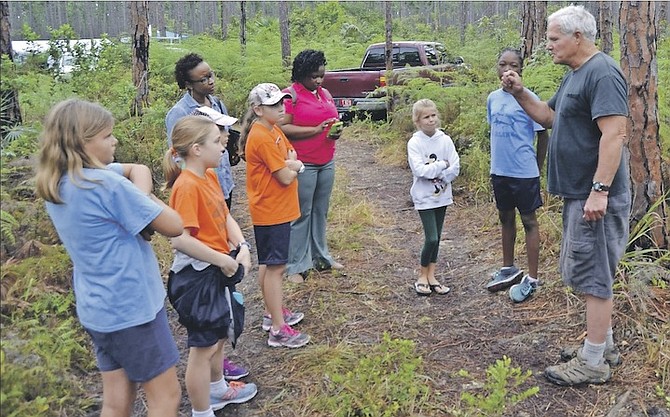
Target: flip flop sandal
x=439, y=289
x=422, y=289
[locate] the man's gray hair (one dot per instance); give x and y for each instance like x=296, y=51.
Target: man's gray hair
x=573, y=19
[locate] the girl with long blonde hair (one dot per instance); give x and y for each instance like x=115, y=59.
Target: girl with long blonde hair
x=104, y=221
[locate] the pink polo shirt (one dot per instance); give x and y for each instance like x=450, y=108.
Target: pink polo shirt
x=309, y=111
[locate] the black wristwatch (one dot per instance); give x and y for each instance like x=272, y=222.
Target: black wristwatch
x=600, y=187
x=245, y=243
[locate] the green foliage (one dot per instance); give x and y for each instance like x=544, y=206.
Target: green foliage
x=39, y=375
x=7, y=225
x=661, y=393
x=18, y=141
x=384, y=381
x=28, y=33
x=542, y=76
x=36, y=369
x=25, y=281
x=648, y=263
x=501, y=390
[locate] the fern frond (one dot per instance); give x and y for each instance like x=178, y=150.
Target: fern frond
x=7, y=225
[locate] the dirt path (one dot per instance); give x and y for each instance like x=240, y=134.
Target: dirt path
x=466, y=329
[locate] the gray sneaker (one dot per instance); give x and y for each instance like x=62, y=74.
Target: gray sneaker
x=504, y=278
x=612, y=355
x=521, y=291
x=577, y=372
x=287, y=337
x=290, y=317
x=237, y=393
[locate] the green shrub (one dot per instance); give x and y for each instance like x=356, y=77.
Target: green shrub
x=501, y=390
x=383, y=380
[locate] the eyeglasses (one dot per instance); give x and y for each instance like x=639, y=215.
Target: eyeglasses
x=205, y=80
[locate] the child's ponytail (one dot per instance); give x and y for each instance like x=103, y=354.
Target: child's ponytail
x=247, y=121
x=188, y=131
x=171, y=167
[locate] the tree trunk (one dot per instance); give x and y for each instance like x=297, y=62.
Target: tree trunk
x=463, y=19
x=159, y=11
x=605, y=25
x=139, y=14
x=9, y=99
x=534, y=26
x=388, y=26
x=388, y=53
x=225, y=18
x=284, y=34
x=639, y=65
x=243, y=28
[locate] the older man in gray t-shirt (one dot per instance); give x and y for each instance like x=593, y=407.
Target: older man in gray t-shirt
x=586, y=167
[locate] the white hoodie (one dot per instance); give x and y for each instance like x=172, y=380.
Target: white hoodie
x=432, y=176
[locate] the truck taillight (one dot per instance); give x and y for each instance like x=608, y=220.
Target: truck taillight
x=382, y=80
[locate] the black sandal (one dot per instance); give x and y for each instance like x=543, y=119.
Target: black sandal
x=439, y=289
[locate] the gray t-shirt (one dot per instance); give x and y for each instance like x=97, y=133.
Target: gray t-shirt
x=596, y=89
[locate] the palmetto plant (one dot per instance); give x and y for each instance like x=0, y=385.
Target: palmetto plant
x=651, y=261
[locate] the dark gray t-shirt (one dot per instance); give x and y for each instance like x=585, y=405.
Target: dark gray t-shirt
x=596, y=89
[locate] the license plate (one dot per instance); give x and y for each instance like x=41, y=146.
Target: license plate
x=345, y=102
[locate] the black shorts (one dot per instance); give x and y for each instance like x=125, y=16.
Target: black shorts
x=272, y=243
x=519, y=193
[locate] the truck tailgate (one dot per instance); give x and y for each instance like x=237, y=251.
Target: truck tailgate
x=351, y=83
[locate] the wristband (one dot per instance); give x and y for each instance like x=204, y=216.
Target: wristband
x=244, y=243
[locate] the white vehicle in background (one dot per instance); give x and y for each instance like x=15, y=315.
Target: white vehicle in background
x=67, y=61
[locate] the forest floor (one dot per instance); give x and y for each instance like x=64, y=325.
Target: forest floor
x=469, y=328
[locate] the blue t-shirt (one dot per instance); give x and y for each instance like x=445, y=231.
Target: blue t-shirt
x=117, y=281
x=184, y=107
x=512, y=137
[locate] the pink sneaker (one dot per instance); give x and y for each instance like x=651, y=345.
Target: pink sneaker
x=287, y=337
x=291, y=318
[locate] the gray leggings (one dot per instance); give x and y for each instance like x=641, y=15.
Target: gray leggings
x=432, y=220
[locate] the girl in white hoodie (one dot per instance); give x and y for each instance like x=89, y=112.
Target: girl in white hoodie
x=435, y=164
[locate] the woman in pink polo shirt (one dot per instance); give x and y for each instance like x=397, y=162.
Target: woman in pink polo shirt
x=307, y=123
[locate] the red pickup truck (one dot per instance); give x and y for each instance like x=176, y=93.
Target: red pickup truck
x=361, y=89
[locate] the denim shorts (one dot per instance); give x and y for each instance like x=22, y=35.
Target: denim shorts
x=521, y=193
x=590, y=251
x=272, y=243
x=143, y=351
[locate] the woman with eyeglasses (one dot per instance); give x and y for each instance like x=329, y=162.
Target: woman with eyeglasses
x=196, y=76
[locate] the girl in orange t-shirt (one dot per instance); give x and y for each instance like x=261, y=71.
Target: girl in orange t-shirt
x=272, y=190
x=201, y=284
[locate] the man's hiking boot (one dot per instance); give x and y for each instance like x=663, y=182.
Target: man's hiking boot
x=612, y=355
x=577, y=372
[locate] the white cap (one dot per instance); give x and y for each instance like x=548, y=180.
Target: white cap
x=266, y=94
x=218, y=118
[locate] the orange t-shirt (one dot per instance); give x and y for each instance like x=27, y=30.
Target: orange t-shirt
x=200, y=203
x=270, y=202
